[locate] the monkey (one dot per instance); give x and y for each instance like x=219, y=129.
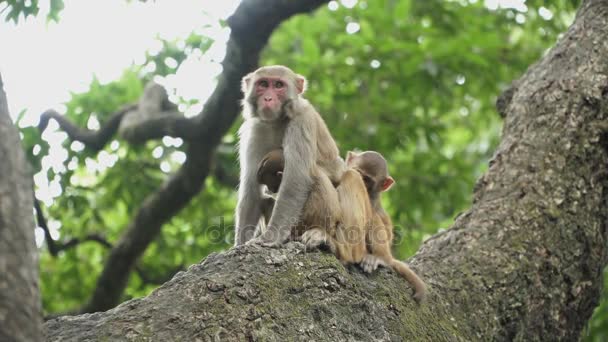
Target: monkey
x=348, y=239
x=338, y=217
x=374, y=171
x=270, y=170
x=270, y=173
x=153, y=110
x=365, y=235
x=276, y=115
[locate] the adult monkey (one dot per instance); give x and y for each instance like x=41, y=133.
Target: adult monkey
x=276, y=115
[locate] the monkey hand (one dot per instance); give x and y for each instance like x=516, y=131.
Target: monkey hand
x=371, y=262
x=257, y=241
x=261, y=241
x=313, y=238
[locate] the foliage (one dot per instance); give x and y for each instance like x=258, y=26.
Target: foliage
x=16, y=9
x=97, y=199
x=414, y=80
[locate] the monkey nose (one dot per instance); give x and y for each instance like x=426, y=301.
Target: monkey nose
x=267, y=98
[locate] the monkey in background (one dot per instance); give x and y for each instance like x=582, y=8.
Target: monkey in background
x=278, y=116
x=338, y=217
x=374, y=171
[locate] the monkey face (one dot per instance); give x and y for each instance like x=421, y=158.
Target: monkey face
x=270, y=89
x=273, y=181
x=373, y=169
x=271, y=94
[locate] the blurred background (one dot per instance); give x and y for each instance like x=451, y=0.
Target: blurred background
x=414, y=80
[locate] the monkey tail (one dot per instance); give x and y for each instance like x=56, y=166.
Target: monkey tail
x=406, y=272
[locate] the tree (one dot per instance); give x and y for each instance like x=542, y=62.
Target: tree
x=524, y=262
x=20, y=315
x=416, y=82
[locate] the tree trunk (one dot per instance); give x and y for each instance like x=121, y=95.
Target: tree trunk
x=20, y=318
x=524, y=263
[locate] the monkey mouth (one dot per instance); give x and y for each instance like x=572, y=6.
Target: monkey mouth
x=269, y=114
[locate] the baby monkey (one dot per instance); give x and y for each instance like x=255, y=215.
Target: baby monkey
x=270, y=173
x=373, y=227
x=335, y=215
x=373, y=168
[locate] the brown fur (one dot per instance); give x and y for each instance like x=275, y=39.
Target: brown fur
x=338, y=217
x=374, y=171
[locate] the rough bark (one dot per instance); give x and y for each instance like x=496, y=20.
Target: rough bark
x=524, y=263
x=20, y=316
x=257, y=294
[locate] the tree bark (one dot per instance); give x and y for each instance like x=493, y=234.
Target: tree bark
x=20, y=316
x=523, y=263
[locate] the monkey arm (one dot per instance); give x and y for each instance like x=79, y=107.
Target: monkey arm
x=248, y=209
x=300, y=157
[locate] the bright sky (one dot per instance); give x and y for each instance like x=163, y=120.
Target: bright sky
x=42, y=62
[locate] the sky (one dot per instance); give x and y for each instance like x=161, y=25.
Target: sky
x=42, y=61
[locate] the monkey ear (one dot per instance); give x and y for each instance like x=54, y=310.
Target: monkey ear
x=387, y=184
x=350, y=155
x=301, y=84
x=245, y=83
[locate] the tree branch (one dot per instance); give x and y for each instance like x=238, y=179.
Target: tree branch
x=152, y=118
x=155, y=118
x=41, y=220
x=92, y=139
x=55, y=247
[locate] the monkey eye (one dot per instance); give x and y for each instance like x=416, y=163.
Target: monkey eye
x=263, y=83
x=279, y=84
x=367, y=180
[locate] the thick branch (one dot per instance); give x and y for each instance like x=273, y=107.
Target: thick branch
x=255, y=294
x=251, y=24
x=172, y=124
x=152, y=118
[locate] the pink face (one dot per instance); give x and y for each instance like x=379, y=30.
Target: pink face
x=271, y=93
